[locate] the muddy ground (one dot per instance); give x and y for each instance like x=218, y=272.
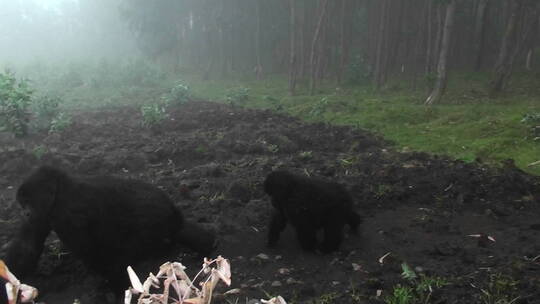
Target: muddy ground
x=420, y=208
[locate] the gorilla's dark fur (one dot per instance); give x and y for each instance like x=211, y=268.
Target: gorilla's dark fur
x=107, y=222
x=309, y=204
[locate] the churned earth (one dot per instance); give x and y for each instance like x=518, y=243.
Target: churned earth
x=468, y=232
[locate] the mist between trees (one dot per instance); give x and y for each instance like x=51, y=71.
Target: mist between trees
x=354, y=41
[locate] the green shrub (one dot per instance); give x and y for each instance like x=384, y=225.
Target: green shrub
x=319, y=108
x=59, y=123
x=400, y=295
x=533, y=121
x=153, y=114
x=15, y=97
x=358, y=72
x=39, y=151
x=419, y=288
x=237, y=96
x=179, y=94
x=531, y=118
x=501, y=289
x=45, y=109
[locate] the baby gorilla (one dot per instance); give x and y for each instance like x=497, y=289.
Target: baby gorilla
x=107, y=222
x=309, y=205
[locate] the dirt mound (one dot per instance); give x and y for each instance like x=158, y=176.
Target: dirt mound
x=212, y=159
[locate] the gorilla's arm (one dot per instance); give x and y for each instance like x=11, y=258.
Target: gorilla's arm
x=24, y=250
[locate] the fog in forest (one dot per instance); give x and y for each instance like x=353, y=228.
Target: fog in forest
x=353, y=42
x=333, y=151
x=61, y=31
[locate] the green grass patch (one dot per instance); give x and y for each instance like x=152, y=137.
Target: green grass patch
x=467, y=125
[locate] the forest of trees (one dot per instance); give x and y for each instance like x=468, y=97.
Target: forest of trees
x=311, y=41
x=341, y=40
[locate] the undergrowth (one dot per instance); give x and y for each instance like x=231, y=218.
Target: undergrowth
x=466, y=125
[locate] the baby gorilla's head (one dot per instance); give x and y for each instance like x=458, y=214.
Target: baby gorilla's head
x=37, y=193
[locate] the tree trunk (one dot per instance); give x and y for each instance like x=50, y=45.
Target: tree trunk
x=440, y=84
x=422, y=36
x=533, y=39
x=429, y=46
x=528, y=60
x=503, y=67
x=380, y=55
x=479, y=33
x=306, y=22
x=292, y=58
x=344, y=43
x=438, y=38
x=314, y=43
x=258, y=67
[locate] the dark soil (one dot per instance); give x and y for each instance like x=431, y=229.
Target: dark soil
x=421, y=208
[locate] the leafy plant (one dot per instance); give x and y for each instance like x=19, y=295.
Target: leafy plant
x=153, y=114
x=408, y=273
x=348, y=161
x=201, y=149
x=61, y=122
x=501, y=289
x=401, y=295
x=533, y=120
x=179, y=94
x=39, y=151
x=326, y=298
x=320, y=107
x=269, y=98
x=359, y=71
x=15, y=97
x=237, y=96
x=306, y=155
x=45, y=109
x=419, y=289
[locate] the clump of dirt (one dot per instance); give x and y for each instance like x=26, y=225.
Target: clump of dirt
x=212, y=159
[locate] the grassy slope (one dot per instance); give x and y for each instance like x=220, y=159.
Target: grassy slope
x=467, y=125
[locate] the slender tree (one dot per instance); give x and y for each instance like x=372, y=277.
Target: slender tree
x=480, y=32
x=315, y=43
x=258, y=33
x=378, y=77
x=442, y=73
x=520, y=30
x=292, y=58
x=344, y=39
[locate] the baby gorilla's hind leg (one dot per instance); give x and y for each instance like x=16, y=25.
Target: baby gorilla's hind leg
x=333, y=236
x=354, y=220
x=277, y=224
x=307, y=236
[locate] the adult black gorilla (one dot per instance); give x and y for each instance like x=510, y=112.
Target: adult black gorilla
x=309, y=205
x=107, y=222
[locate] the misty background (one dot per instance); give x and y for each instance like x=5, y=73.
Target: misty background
x=60, y=31
x=309, y=58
